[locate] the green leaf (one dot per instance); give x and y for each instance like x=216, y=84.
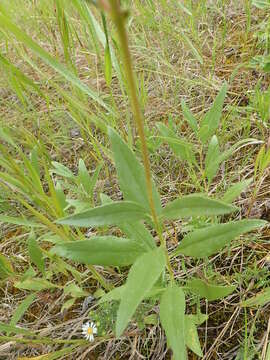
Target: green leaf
x=117, y=293
x=84, y=179
x=60, y=197
x=113, y=295
x=15, y=330
x=100, y=250
x=235, y=191
x=172, y=316
x=210, y=292
x=19, y=221
x=34, y=161
x=134, y=230
x=211, y=165
x=198, y=318
x=109, y=214
x=29, y=273
x=189, y=117
x=141, y=278
x=137, y=231
x=75, y=291
x=215, y=161
x=191, y=336
x=261, y=4
x=195, y=205
x=21, y=309
x=62, y=170
x=5, y=267
x=205, y=242
x=151, y=319
x=35, y=253
x=183, y=149
x=36, y=284
x=79, y=206
x=5, y=134
x=67, y=304
x=210, y=122
x=260, y=299
x=131, y=174
x=94, y=179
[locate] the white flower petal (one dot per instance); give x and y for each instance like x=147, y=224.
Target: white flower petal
x=93, y=330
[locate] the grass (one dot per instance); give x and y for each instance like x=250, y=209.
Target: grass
x=57, y=98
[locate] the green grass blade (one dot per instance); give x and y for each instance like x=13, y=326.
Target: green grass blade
x=20, y=35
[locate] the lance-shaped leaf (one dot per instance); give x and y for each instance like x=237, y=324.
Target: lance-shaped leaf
x=195, y=205
x=131, y=174
x=134, y=230
x=87, y=182
x=211, y=165
x=172, y=316
x=100, y=250
x=210, y=122
x=214, y=157
x=191, y=335
x=113, y=295
x=19, y=221
x=36, y=284
x=109, y=214
x=6, y=268
x=141, y=278
x=235, y=190
x=210, y=292
x=35, y=253
x=15, y=330
x=117, y=293
x=21, y=309
x=137, y=231
x=183, y=149
x=260, y=299
x=205, y=242
x=189, y=117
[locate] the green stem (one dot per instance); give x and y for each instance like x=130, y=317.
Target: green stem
x=119, y=17
x=119, y=20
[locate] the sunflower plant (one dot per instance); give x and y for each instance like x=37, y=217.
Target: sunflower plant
x=142, y=218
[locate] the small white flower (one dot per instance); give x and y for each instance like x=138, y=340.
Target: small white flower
x=88, y=330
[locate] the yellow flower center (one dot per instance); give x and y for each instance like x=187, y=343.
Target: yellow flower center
x=90, y=331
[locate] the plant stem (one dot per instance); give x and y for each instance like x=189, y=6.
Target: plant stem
x=119, y=20
x=119, y=17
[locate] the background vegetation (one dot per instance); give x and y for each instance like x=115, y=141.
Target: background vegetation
x=62, y=83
